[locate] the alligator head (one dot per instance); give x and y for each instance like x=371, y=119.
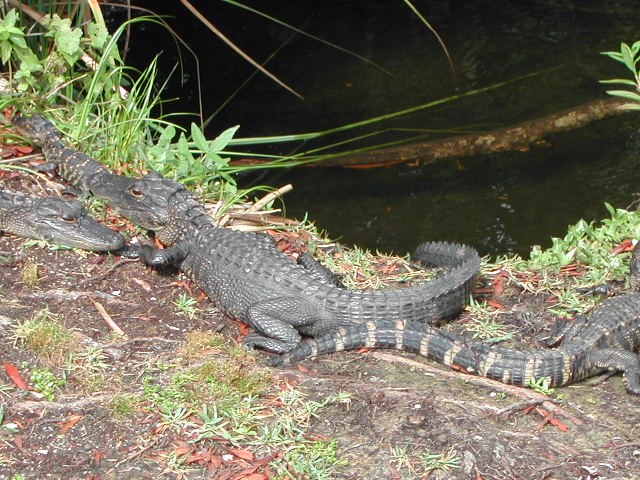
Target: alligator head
x=152, y=202
x=60, y=221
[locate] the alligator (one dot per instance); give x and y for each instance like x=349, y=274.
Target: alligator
x=75, y=167
x=60, y=221
x=608, y=338
x=248, y=278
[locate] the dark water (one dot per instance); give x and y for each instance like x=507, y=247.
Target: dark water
x=498, y=203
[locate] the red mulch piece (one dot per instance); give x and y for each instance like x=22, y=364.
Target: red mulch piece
x=142, y=284
x=496, y=305
x=624, y=246
x=15, y=376
x=184, y=284
x=243, y=454
x=69, y=424
x=547, y=418
x=498, y=283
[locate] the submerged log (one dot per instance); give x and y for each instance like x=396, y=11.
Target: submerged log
x=518, y=137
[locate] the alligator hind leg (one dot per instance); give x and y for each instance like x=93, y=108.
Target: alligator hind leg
x=319, y=271
x=622, y=360
x=564, y=330
x=277, y=321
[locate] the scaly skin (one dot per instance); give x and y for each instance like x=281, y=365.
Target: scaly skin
x=75, y=167
x=248, y=278
x=56, y=220
x=607, y=339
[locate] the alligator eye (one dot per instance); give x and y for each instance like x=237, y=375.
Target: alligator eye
x=68, y=219
x=135, y=191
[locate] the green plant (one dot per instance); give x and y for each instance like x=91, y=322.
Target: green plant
x=123, y=405
x=424, y=465
x=589, y=243
x=196, y=162
x=45, y=64
x=186, y=304
x=541, y=385
x=484, y=323
x=30, y=274
x=47, y=337
x=45, y=382
x=629, y=55
x=440, y=463
x=362, y=269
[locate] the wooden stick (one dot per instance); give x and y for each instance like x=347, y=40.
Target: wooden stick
x=269, y=197
x=107, y=318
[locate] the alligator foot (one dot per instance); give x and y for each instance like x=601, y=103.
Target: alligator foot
x=565, y=330
x=619, y=359
x=255, y=340
x=601, y=289
x=156, y=257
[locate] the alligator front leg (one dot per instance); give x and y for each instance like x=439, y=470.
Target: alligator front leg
x=621, y=360
x=278, y=322
x=155, y=257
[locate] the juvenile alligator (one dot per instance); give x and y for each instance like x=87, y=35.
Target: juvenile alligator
x=56, y=220
x=248, y=278
x=606, y=339
x=75, y=167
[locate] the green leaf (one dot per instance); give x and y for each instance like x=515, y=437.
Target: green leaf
x=624, y=81
x=19, y=40
x=222, y=140
x=5, y=51
x=167, y=135
x=98, y=35
x=625, y=94
x=10, y=18
x=68, y=41
x=198, y=138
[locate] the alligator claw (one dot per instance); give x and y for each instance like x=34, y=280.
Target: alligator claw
x=129, y=251
x=601, y=289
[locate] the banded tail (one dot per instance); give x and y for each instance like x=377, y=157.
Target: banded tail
x=564, y=365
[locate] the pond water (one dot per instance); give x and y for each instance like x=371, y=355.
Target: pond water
x=500, y=203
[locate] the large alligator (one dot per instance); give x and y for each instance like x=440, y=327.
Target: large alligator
x=75, y=167
x=54, y=219
x=606, y=339
x=248, y=278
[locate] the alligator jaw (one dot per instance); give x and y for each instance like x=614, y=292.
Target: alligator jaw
x=57, y=220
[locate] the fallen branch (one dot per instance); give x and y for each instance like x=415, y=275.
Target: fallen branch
x=269, y=197
x=108, y=271
x=31, y=406
x=518, y=137
x=107, y=318
x=60, y=294
x=133, y=455
x=486, y=382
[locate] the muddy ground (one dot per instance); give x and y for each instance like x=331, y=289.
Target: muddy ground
x=393, y=404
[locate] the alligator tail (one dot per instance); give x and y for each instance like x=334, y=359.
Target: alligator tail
x=450, y=293
x=38, y=129
x=456, y=351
